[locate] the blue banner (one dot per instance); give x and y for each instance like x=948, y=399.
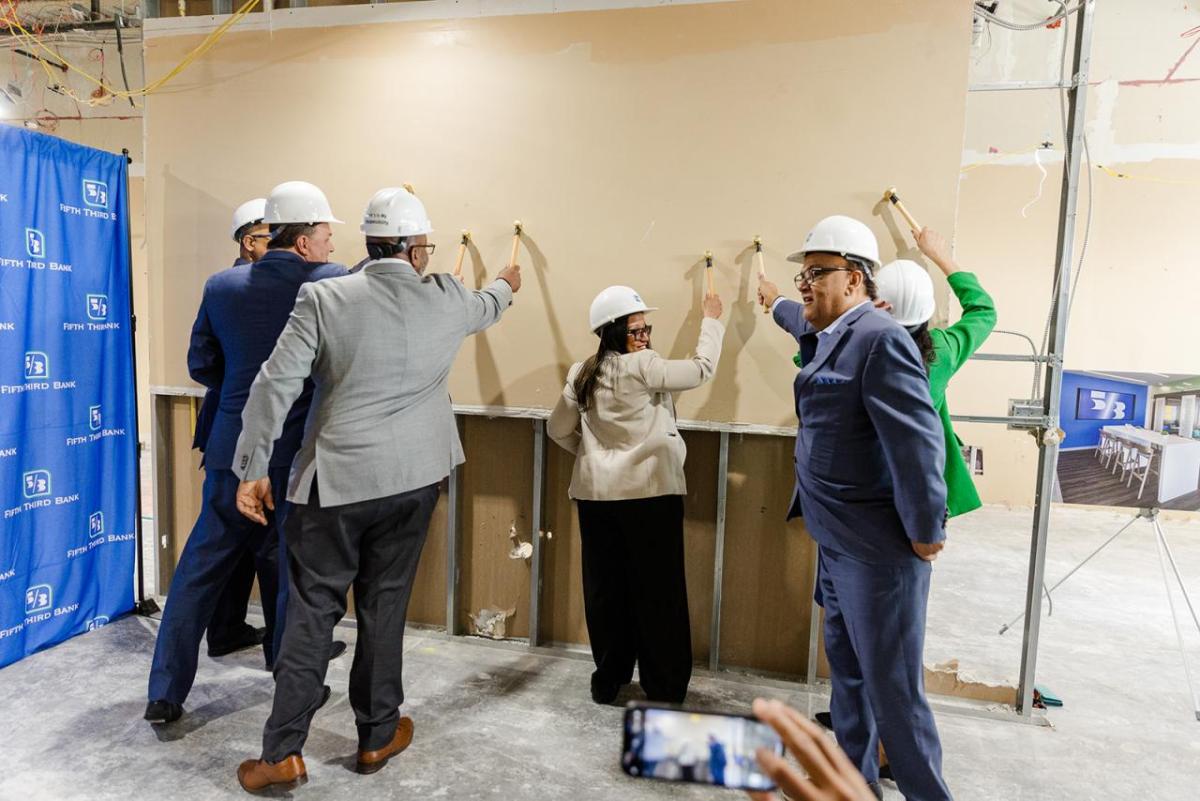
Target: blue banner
x=68, y=430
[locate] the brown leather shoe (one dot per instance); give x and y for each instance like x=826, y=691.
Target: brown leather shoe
x=371, y=761
x=256, y=775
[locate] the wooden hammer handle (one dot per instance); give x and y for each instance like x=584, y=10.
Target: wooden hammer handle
x=912, y=221
x=762, y=270
x=516, y=243
x=462, y=252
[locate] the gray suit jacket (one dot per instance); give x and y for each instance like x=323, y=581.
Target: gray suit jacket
x=379, y=345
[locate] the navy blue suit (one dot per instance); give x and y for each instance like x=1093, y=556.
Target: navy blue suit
x=869, y=458
x=243, y=311
x=228, y=624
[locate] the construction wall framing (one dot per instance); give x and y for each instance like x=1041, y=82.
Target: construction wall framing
x=447, y=560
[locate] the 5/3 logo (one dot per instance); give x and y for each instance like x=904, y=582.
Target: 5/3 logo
x=38, y=598
x=95, y=194
x=97, y=307
x=35, y=243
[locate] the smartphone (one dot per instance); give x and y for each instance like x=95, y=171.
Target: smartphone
x=683, y=745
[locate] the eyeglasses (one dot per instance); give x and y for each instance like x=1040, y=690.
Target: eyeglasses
x=640, y=333
x=815, y=274
x=430, y=247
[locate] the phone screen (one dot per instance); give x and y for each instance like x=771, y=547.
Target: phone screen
x=679, y=745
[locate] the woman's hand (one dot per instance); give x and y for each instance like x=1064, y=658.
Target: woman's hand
x=936, y=249
x=831, y=776
x=712, y=306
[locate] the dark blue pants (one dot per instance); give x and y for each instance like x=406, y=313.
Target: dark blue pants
x=217, y=542
x=874, y=640
x=228, y=625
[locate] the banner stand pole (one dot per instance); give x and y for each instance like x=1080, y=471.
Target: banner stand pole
x=144, y=606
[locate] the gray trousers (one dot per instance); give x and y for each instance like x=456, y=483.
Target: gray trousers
x=373, y=546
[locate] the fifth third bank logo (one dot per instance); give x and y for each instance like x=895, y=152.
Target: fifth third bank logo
x=95, y=194
x=1109, y=404
x=95, y=524
x=97, y=307
x=36, y=483
x=95, y=421
x=37, y=366
x=38, y=598
x=35, y=243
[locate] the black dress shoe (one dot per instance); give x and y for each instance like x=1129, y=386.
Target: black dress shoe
x=250, y=638
x=604, y=692
x=326, y=691
x=163, y=712
x=824, y=719
x=336, y=649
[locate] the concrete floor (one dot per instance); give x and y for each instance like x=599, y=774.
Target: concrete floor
x=495, y=722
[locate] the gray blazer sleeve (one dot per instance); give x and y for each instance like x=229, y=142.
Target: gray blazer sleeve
x=895, y=392
x=279, y=382
x=485, y=306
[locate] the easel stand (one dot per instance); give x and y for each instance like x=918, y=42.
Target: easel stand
x=1165, y=557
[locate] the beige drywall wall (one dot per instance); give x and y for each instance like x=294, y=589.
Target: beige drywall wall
x=627, y=141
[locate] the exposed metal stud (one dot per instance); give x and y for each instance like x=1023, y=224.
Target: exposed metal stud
x=714, y=644
x=1048, y=454
x=538, y=515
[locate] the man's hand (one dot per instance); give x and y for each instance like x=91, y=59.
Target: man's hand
x=831, y=776
x=251, y=496
x=928, y=550
x=712, y=306
x=512, y=274
x=767, y=292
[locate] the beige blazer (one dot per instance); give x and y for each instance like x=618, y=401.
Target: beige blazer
x=626, y=444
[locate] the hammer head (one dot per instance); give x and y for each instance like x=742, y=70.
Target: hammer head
x=517, y=228
x=466, y=236
x=708, y=257
x=889, y=194
x=758, y=243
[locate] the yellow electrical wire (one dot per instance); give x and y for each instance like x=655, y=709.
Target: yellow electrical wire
x=35, y=43
x=1128, y=177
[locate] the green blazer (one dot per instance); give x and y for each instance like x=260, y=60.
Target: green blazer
x=952, y=347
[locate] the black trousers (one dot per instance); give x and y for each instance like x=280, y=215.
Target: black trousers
x=373, y=546
x=635, y=593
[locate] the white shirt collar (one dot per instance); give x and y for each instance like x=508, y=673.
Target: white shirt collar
x=829, y=329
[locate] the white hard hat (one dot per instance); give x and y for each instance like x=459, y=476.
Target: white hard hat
x=842, y=235
x=614, y=303
x=297, y=202
x=395, y=212
x=907, y=286
x=252, y=211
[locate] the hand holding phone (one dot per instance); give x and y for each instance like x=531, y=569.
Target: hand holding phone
x=831, y=776
x=681, y=745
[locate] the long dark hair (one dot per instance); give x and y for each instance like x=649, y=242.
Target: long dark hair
x=924, y=342
x=612, y=340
